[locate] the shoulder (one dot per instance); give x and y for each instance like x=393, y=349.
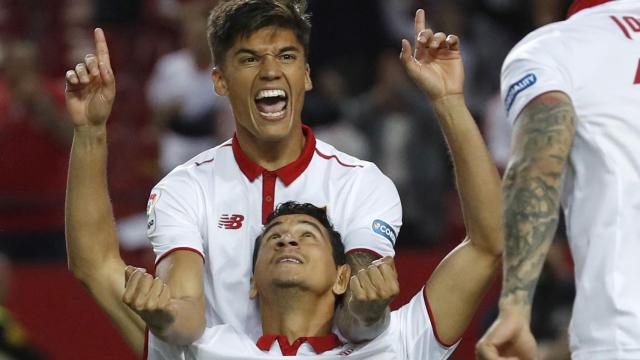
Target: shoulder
x=361, y=176
x=538, y=45
x=329, y=153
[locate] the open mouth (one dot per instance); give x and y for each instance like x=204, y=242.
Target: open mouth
x=289, y=260
x=271, y=103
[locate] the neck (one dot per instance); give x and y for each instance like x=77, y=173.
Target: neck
x=271, y=155
x=295, y=313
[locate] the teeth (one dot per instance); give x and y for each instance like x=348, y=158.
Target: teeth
x=295, y=261
x=272, y=115
x=271, y=93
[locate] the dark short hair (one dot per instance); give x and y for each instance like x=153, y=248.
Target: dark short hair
x=234, y=19
x=320, y=214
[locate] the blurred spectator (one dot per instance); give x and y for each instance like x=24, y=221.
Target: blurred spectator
x=35, y=135
x=347, y=35
x=406, y=144
x=187, y=115
x=13, y=341
x=324, y=111
x=180, y=93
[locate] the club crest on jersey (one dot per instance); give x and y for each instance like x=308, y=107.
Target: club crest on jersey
x=151, y=210
x=383, y=229
x=230, y=221
x=518, y=87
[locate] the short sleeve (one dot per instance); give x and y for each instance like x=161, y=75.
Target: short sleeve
x=414, y=331
x=173, y=213
x=532, y=68
x=376, y=214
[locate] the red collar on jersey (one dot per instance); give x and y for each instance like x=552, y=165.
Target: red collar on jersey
x=319, y=344
x=287, y=173
x=583, y=4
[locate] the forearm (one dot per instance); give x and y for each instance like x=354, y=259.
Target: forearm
x=476, y=174
x=90, y=229
x=531, y=194
x=189, y=322
x=358, y=330
x=183, y=320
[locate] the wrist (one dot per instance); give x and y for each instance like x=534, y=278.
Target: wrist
x=90, y=130
x=515, y=304
x=448, y=101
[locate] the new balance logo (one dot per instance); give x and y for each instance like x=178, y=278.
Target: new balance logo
x=231, y=222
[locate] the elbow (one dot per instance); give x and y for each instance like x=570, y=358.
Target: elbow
x=491, y=243
x=79, y=271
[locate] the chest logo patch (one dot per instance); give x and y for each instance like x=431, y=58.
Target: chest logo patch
x=230, y=221
x=518, y=87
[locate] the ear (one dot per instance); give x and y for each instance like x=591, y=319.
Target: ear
x=219, y=83
x=342, y=279
x=253, y=291
x=308, y=85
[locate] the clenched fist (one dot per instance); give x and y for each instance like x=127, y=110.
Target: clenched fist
x=373, y=289
x=150, y=298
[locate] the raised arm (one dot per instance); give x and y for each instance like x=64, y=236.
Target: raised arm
x=457, y=285
x=542, y=139
x=92, y=246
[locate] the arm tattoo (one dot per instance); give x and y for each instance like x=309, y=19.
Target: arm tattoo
x=359, y=260
x=374, y=320
x=531, y=191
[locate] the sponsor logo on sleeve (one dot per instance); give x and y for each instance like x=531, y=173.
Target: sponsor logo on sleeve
x=151, y=210
x=518, y=87
x=383, y=229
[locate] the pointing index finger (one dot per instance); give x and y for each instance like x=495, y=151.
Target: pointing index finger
x=101, y=47
x=420, y=22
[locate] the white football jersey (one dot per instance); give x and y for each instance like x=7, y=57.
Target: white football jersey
x=410, y=336
x=594, y=57
x=216, y=203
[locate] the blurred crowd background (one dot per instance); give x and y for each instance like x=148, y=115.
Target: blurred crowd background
x=166, y=112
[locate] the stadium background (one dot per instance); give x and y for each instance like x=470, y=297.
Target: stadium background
x=361, y=103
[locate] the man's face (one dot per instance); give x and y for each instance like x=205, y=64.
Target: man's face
x=265, y=77
x=296, y=251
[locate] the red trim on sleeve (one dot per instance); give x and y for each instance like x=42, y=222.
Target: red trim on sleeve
x=372, y=252
x=145, y=352
x=583, y=4
x=432, y=321
x=164, y=256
